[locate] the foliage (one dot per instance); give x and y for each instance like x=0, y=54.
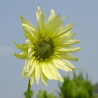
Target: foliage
x=45, y=94
x=31, y=93
x=78, y=87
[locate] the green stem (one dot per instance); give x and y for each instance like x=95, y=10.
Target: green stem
x=28, y=90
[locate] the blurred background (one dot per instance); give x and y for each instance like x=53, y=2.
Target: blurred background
x=84, y=14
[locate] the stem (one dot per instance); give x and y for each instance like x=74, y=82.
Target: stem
x=28, y=90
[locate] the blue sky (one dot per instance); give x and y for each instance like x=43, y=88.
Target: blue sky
x=84, y=14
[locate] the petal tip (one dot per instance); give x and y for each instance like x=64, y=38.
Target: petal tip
x=14, y=42
x=79, y=48
x=37, y=82
x=74, y=68
x=64, y=17
x=62, y=80
x=46, y=84
x=15, y=54
x=52, y=11
x=21, y=16
x=38, y=7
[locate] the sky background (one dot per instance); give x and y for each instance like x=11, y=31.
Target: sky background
x=84, y=14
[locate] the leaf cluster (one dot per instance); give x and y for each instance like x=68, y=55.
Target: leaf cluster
x=78, y=87
x=45, y=94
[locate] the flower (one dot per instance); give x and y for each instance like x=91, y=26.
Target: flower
x=47, y=48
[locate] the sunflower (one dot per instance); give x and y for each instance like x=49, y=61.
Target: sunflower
x=47, y=48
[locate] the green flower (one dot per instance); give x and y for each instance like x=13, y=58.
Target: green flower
x=47, y=48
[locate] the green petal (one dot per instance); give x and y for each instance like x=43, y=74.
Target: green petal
x=52, y=15
x=70, y=65
x=29, y=29
x=69, y=49
x=51, y=26
x=33, y=65
x=30, y=52
x=22, y=55
x=68, y=36
x=32, y=78
x=37, y=73
x=62, y=40
x=29, y=67
x=63, y=30
x=41, y=22
x=22, y=47
x=72, y=42
x=68, y=56
x=61, y=65
x=55, y=72
x=26, y=23
x=60, y=25
x=66, y=28
x=44, y=78
x=25, y=74
x=65, y=42
x=55, y=31
x=39, y=11
x=29, y=34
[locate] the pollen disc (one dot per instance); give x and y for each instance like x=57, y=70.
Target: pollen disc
x=44, y=49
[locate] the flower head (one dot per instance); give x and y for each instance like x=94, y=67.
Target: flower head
x=47, y=48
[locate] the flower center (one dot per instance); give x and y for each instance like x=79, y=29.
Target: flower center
x=44, y=49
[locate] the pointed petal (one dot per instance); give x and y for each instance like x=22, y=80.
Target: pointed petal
x=47, y=71
x=68, y=56
x=22, y=47
x=67, y=63
x=64, y=32
x=32, y=78
x=55, y=30
x=39, y=11
x=61, y=22
x=37, y=73
x=63, y=39
x=51, y=25
x=29, y=67
x=61, y=65
x=44, y=78
x=29, y=29
x=26, y=23
x=22, y=55
x=69, y=49
x=28, y=34
x=25, y=74
x=65, y=29
x=68, y=36
x=41, y=22
x=55, y=72
x=30, y=52
x=32, y=67
x=26, y=68
x=52, y=15
x=72, y=42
